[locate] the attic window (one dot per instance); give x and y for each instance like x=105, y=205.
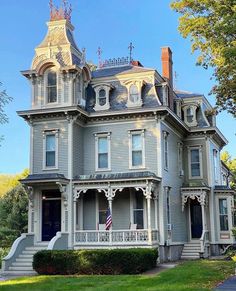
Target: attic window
x=102, y=92
x=133, y=94
x=190, y=114
x=51, y=79
x=102, y=97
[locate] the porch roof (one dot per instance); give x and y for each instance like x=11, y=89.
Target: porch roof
x=43, y=178
x=223, y=189
x=117, y=177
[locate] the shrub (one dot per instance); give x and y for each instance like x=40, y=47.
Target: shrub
x=117, y=261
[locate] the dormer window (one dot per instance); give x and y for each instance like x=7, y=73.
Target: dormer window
x=102, y=97
x=134, y=89
x=190, y=114
x=133, y=94
x=102, y=92
x=51, y=86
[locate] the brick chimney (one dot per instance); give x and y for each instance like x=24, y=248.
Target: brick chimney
x=167, y=70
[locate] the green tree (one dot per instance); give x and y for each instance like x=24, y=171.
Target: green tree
x=231, y=164
x=4, y=100
x=13, y=215
x=211, y=26
x=8, y=182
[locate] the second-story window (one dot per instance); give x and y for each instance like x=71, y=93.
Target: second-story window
x=215, y=161
x=102, y=151
x=195, y=163
x=165, y=135
x=50, y=150
x=51, y=86
x=137, y=149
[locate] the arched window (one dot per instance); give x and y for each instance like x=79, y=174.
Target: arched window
x=133, y=94
x=102, y=97
x=51, y=86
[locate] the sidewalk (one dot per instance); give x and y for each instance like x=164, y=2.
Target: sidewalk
x=227, y=285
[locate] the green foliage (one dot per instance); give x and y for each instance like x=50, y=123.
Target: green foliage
x=117, y=261
x=4, y=100
x=211, y=26
x=231, y=164
x=8, y=182
x=13, y=215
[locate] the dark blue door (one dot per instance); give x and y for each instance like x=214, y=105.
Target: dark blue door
x=51, y=218
x=196, y=218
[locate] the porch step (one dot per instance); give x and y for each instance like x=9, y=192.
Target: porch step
x=23, y=263
x=191, y=251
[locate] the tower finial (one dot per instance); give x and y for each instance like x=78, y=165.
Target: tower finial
x=130, y=47
x=64, y=12
x=99, y=53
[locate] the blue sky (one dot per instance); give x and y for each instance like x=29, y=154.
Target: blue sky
x=110, y=24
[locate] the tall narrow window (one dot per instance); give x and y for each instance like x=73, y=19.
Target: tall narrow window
x=223, y=211
x=102, y=151
x=102, y=98
x=165, y=134
x=180, y=159
x=215, y=160
x=51, y=86
x=138, y=209
x=195, y=163
x=133, y=94
x=136, y=149
x=102, y=208
x=190, y=115
x=50, y=150
x=168, y=205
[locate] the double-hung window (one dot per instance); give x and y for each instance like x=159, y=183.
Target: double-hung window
x=223, y=212
x=215, y=161
x=50, y=146
x=165, y=136
x=195, y=163
x=51, y=86
x=102, y=151
x=137, y=159
x=138, y=209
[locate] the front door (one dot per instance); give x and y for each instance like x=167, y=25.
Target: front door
x=196, y=218
x=51, y=218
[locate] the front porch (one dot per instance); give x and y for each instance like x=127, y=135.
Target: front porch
x=133, y=206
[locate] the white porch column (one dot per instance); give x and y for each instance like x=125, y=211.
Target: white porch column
x=148, y=197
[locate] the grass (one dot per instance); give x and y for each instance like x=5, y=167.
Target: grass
x=202, y=275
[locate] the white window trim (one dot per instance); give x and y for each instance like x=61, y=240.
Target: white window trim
x=46, y=86
x=45, y=133
x=130, y=133
x=166, y=158
x=139, y=84
x=108, y=136
x=97, y=88
x=229, y=214
x=200, y=161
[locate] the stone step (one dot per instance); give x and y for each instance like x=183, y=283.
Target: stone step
x=21, y=268
x=34, y=248
x=191, y=250
x=30, y=252
x=26, y=256
x=19, y=273
x=22, y=264
x=22, y=259
x=189, y=257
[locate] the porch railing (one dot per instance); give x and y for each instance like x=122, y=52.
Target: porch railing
x=204, y=240
x=116, y=237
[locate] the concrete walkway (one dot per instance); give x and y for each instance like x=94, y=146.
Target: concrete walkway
x=227, y=285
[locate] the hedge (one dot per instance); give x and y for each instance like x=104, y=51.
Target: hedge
x=101, y=262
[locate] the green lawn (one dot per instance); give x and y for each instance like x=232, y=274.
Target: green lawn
x=188, y=276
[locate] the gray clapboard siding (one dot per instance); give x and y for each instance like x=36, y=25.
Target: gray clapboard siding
x=120, y=146
x=38, y=130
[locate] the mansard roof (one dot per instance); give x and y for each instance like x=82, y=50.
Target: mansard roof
x=112, y=71
x=186, y=94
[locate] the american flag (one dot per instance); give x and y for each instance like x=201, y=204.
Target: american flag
x=108, y=219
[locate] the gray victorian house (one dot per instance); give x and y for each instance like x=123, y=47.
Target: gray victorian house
x=119, y=137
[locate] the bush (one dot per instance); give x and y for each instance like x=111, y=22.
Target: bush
x=109, y=262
